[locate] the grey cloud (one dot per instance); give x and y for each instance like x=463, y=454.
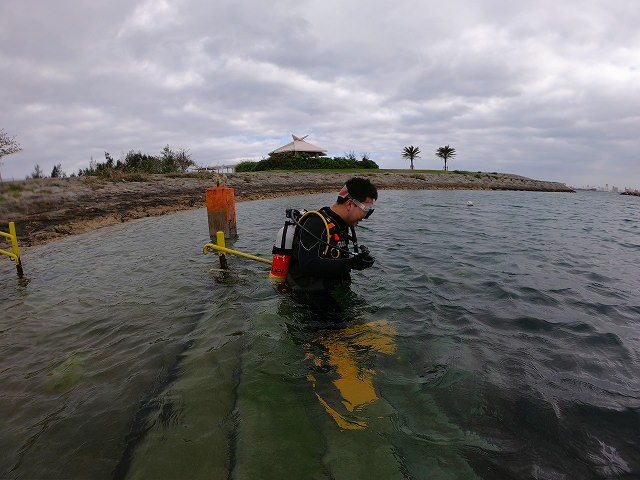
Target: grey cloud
x=548, y=90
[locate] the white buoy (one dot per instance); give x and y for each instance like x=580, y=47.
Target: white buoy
x=469, y=203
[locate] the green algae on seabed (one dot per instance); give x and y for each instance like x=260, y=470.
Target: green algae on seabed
x=66, y=375
x=192, y=423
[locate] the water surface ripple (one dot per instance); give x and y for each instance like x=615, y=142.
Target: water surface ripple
x=493, y=341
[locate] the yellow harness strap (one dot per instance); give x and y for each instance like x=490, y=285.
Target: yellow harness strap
x=325, y=224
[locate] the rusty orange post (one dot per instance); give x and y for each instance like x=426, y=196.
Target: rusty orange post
x=221, y=210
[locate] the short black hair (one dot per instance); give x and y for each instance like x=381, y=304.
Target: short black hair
x=360, y=189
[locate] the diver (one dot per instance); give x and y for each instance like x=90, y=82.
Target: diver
x=321, y=259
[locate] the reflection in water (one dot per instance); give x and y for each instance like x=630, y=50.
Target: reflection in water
x=345, y=356
x=341, y=347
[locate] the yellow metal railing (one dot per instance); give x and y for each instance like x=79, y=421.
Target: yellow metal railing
x=13, y=238
x=223, y=250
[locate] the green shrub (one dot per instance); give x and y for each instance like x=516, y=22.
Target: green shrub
x=246, y=166
x=303, y=161
x=169, y=161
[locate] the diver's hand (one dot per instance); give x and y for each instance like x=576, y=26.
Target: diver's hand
x=362, y=260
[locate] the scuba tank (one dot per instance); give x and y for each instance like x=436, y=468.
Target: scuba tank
x=283, y=246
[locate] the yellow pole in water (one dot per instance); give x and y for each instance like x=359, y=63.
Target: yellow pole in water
x=223, y=258
x=213, y=246
x=13, y=237
x=14, y=246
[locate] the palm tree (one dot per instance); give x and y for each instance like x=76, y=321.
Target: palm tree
x=411, y=152
x=445, y=153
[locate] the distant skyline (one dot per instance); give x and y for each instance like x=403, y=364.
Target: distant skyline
x=545, y=90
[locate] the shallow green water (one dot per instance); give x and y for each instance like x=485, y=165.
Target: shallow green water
x=494, y=341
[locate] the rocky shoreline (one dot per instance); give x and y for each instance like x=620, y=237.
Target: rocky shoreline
x=635, y=193
x=47, y=209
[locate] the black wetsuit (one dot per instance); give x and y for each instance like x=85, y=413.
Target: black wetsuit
x=316, y=267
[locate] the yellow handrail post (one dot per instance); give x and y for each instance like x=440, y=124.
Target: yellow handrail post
x=223, y=250
x=14, y=246
x=223, y=257
x=15, y=256
x=213, y=246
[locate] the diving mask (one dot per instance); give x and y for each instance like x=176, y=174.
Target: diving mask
x=367, y=209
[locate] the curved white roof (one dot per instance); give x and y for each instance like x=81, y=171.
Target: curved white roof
x=299, y=145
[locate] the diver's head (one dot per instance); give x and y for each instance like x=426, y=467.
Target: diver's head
x=356, y=200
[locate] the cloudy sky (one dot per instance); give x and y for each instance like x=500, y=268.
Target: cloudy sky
x=545, y=89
